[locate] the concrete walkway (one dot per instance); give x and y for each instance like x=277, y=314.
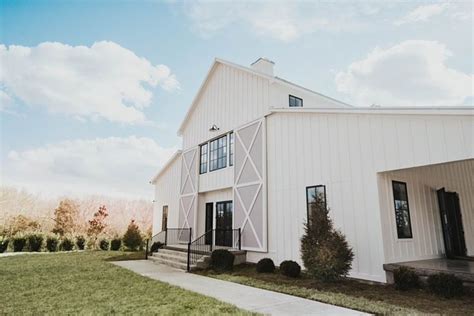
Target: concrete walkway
x=242, y=296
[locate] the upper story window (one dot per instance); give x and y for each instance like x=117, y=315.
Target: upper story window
x=295, y=101
x=203, y=161
x=315, y=195
x=231, y=149
x=402, y=210
x=218, y=153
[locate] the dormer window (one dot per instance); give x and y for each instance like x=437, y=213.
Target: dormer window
x=295, y=102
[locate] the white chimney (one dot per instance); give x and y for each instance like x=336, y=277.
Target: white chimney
x=264, y=66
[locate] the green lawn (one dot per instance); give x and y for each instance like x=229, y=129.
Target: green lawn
x=85, y=283
x=372, y=298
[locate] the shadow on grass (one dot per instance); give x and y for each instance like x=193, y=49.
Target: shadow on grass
x=124, y=256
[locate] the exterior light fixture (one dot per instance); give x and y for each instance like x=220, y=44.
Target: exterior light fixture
x=214, y=128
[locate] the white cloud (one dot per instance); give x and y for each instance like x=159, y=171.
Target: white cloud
x=285, y=21
x=102, y=81
x=423, y=13
x=105, y=166
x=412, y=73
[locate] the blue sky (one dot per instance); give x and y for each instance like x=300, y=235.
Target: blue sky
x=87, y=108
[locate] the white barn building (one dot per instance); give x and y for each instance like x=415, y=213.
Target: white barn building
x=256, y=148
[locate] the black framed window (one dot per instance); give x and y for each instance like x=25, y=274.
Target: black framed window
x=402, y=210
x=231, y=149
x=203, y=161
x=295, y=101
x=314, y=195
x=218, y=153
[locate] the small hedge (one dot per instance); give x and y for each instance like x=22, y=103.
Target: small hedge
x=104, y=244
x=222, y=260
x=405, y=279
x=66, y=244
x=4, y=244
x=115, y=244
x=265, y=265
x=52, y=243
x=35, y=241
x=156, y=245
x=290, y=268
x=445, y=285
x=80, y=242
x=19, y=243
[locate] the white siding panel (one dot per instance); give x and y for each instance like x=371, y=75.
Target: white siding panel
x=167, y=193
x=231, y=98
x=345, y=152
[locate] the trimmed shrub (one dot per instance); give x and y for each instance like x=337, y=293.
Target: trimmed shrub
x=4, y=244
x=66, y=244
x=104, y=244
x=405, y=279
x=19, y=243
x=80, y=242
x=156, y=245
x=115, y=244
x=290, y=268
x=445, y=285
x=52, y=243
x=132, y=238
x=35, y=241
x=325, y=251
x=265, y=265
x=222, y=260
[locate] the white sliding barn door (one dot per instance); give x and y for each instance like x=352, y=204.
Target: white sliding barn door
x=250, y=213
x=188, y=191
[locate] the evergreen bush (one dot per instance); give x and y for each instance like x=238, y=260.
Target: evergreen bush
x=132, y=238
x=325, y=252
x=222, y=260
x=19, y=242
x=66, y=244
x=35, y=241
x=4, y=244
x=80, y=242
x=115, y=244
x=405, y=279
x=445, y=285
x=104, y=244
x=265, y=265
x=290, y=268
x=156, y=245
x=52, y=243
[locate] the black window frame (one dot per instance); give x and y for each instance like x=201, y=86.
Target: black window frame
x=219, y=149
x=410, y=236
x=296, y=98
x=231, y=148
x=315, y=187
x=201, y=155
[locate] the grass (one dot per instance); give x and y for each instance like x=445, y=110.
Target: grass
x=372, y=298
x=85, y=283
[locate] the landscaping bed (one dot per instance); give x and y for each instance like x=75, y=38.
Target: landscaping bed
x=372, y=298
x=85, y=283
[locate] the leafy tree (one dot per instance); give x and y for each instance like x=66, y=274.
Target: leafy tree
x=325, y=251
x=65, y=217
x=22, y=224
x=132, y=238
x=97, y=224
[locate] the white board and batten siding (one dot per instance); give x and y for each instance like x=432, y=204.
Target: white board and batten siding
x=231, y=98
x=167, y=193
x=345, y=152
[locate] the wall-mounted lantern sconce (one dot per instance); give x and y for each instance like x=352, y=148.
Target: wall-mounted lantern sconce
x=214, y=128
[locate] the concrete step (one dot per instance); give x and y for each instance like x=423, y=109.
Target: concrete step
x=172, y=253
x=171, y=263
x=171, y=257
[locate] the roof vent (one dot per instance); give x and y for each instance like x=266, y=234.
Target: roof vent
x=264, y=66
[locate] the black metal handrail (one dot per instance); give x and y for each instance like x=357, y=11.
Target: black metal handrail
x=160, y=237
x=169, y=236
x=214, y=238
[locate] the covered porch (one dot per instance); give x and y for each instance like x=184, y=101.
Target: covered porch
x=427, y=215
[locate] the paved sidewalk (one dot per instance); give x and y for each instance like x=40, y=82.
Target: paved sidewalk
x=242, y=296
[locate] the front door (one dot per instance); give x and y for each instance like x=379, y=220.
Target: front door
x=224, y=224
x=208, y=228
x=451, y=221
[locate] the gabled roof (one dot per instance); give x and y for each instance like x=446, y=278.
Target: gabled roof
x=253, y=72
x=166, y=166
